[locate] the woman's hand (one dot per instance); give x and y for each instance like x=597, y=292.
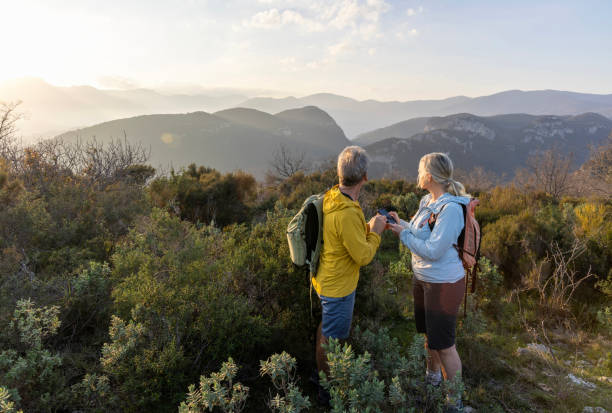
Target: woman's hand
x=394, y=215
x=396, y=228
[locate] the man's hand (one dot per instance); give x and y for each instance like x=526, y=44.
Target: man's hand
x=377, y=224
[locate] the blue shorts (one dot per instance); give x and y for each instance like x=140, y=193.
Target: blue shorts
x=337, y=315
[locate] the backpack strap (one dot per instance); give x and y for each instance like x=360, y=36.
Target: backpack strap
x=434, y=217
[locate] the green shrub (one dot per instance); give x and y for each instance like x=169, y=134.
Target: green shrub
x=176, y=297
x=94, y=394
x=218, y=390
x=406, y=205
x=30, y=371
x=281, y=368
x=204, y=195
x=352, y=382
x=6, y=405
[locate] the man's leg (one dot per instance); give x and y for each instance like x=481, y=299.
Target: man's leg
x=321, y=354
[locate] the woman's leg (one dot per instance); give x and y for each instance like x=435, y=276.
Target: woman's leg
x=442, y=302
x=433, y=359
x=451, y=362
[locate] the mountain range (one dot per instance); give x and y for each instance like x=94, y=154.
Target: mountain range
x=51, y=110
x=499, y=143
x=356, y=117
x=227, y=140
x=247, y=139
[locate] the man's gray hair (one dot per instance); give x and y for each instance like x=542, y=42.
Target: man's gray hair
x=352, y=165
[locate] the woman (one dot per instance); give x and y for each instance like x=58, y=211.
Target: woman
x=439, y=277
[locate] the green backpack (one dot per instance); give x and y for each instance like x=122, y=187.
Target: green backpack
x=305, y=234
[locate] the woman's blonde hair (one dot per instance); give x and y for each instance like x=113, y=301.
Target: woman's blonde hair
x=440, y=167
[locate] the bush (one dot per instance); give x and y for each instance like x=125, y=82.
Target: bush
x=515, y=241
x=6, y=405
x=352, y=382
x=218, y=390
x=178, y=311
x=30, y=371
x=281, y=369
x=204, y=195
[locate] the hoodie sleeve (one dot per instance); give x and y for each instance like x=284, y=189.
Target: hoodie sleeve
x=445, y=233
x=360, y=243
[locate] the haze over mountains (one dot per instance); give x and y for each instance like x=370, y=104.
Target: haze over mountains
x=52, y=110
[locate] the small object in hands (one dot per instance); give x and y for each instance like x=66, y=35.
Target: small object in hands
x=385, y=213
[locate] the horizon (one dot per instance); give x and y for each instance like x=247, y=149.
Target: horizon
x=254, y=93
x=372, y=49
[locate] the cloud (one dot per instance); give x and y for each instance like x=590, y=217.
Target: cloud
x=349, y=25
x=319, y=15
x=412, y=12
x=405, y=33
x=338, y=48
x=275, y=19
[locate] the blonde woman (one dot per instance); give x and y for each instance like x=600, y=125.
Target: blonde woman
x=439, y=277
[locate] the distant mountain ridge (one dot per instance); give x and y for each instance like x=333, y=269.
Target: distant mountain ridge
x=500, y=143
x=227, y=140
x=355, y=116
x=51, y=110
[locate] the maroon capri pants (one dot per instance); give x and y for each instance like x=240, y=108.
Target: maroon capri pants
x=435, y=310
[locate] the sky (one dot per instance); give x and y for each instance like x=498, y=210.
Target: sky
x=365, y=49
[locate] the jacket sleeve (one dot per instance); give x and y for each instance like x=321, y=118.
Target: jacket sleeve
x=445, y=233
x=360, y=243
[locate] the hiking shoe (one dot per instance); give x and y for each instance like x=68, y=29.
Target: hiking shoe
x=454, y=408
x=433, y=379
x=323, y=397
x=314, y=377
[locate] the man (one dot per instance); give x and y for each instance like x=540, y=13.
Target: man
x=348, y=244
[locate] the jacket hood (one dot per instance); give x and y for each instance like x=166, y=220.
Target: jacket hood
x=445, y=199
x=335, y=201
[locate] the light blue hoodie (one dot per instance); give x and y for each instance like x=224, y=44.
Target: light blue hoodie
x=434, y=258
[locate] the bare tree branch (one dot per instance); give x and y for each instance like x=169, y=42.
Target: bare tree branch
x=286, y=162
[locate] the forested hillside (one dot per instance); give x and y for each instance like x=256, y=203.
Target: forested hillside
x=231, y=139
x=125, y=289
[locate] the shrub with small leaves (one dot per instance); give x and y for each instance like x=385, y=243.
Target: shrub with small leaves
x=29, y=371
x=386, y=354
x=281, y=369
x=94, y=394
x=218, y=390
x=406, y=204
x=6, y=405
x=34, y=323
x=352, y=383
x=604, y=317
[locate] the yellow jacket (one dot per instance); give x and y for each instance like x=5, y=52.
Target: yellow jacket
x=347, y=245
